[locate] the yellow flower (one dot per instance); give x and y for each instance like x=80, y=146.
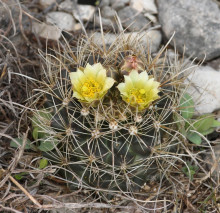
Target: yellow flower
x=90, y=84
x=138, y=90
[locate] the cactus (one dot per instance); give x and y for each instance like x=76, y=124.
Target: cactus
x=108, y=114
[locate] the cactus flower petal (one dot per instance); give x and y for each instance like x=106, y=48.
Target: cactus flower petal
x=108, y=83
x=91, y=84
x=138, y=90
x=101, y=76
x=77, y=95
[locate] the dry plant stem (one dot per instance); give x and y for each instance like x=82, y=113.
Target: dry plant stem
x=24, y=190
x=8, y=209
x=86, y=205
x=13, y=165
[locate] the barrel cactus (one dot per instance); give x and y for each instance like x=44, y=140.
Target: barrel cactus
x=107, y=115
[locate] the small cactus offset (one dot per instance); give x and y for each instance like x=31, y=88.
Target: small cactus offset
x=108, y=115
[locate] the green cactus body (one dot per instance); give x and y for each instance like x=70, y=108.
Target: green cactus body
x=110, y=144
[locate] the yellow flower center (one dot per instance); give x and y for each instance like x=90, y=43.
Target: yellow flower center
x=138, y=96
x=142, y=91
x=90, y=88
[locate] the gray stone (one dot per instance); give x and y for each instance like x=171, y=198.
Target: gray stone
x=46, y=31
x=213, y=164
x=152, y=38
x=104, y=3
x=63, y=20
x=84, y=12
x=144, y=5
x=132, y=19
x=119, y=4
x=151, y=17
x=196, y=24
x=146, y=38
x=108, y=12
x=215, y=64
x=108, y=38
x=204, y=87
x=104, y=21
x=46, y=3
x=66, y=6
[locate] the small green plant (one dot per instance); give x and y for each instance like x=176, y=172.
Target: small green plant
x=190, y=170
x=193, y=127
x=20, y=176
x=43, y=163
x=19, y=141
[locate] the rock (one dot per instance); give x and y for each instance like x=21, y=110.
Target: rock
x=108, y=12
x=211, y=162
x=151, y=17
x=196, y=24
x=132, y=19
x=145, y=38
x=61, y=19
x=108, y=38
x=46, y=31
x=67, y=6
x=204, y=89
x=119, y=4
x=144, y=5
x=85, y=12
x=215, y=64
x=77, y=26
x=46, y=3
x=105, y=22
x=152, y=37
x=104, y=3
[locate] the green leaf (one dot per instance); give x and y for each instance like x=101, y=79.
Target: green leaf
x=208, y=131
x=194, y=138
x=216, y=123
x=20, y=142
x=191, y=171
x=19, y=176
x=38, y=133
x=35, y=133
x=40, y=118
x=43, y=163
x=204, y=123
x=47, y=145
x=187, y=106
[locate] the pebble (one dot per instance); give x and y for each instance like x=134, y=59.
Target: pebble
x=46, y=3
x=210, y=161
x=104, y=3
x=104, y=21
x=46, y=31
x=119, y=4
x=108, y=12
x=132, y=19
x=85, y=12
x=62, y=20
x=66, y=6
x=144, y=6
x=196, y=24
x=151, y=17
x=204, y=89
x=215, y=64
x=152, y=37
